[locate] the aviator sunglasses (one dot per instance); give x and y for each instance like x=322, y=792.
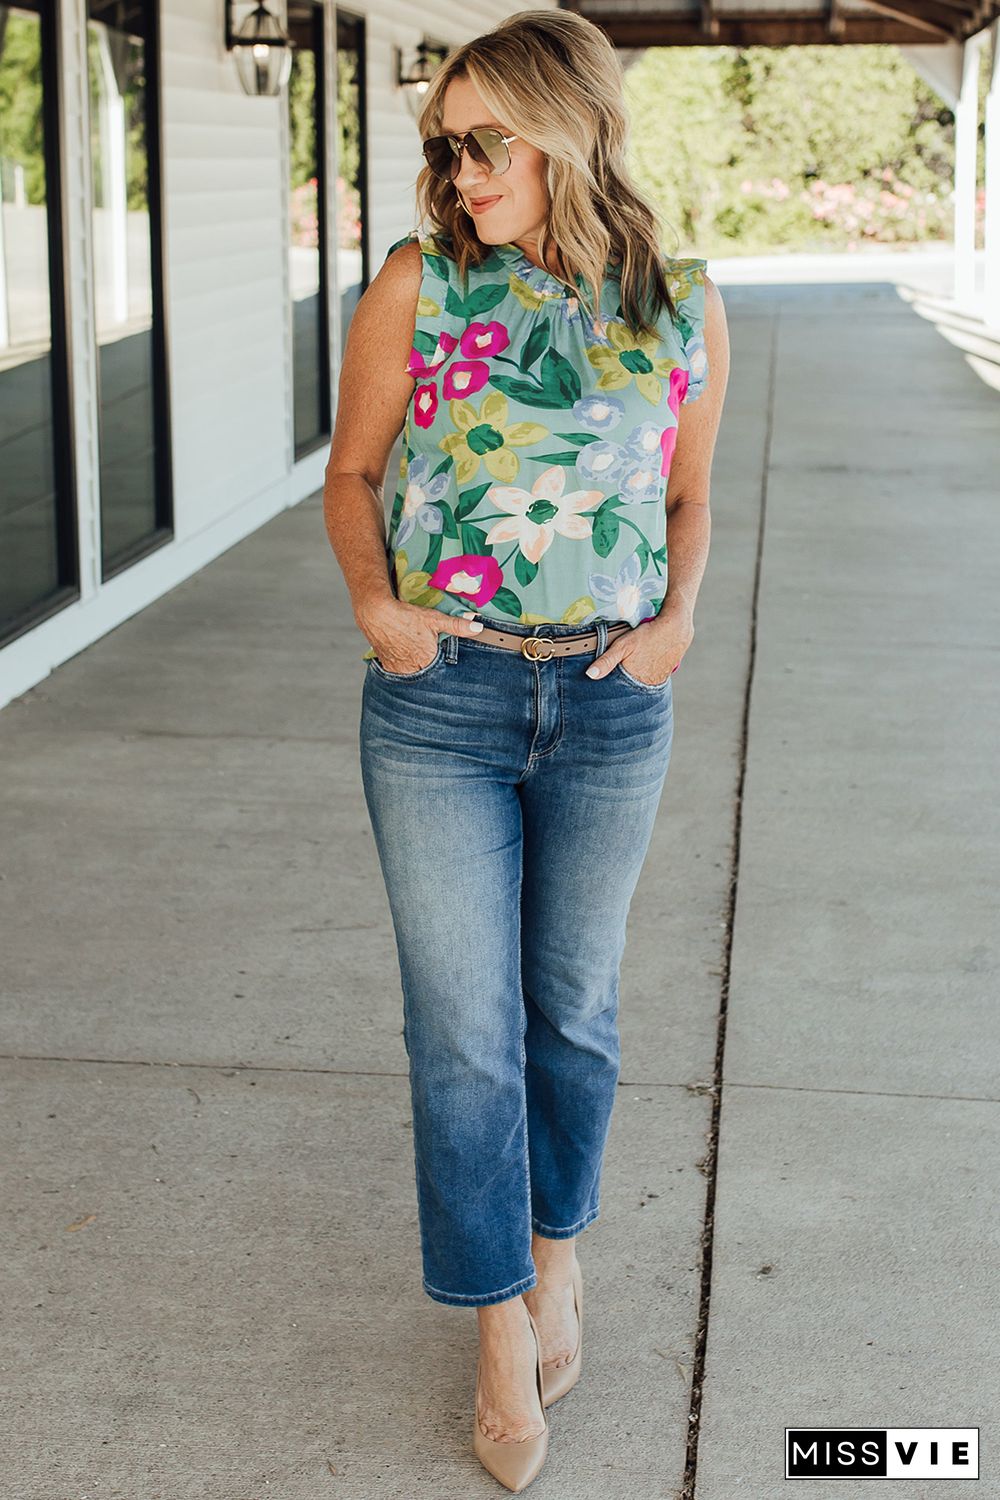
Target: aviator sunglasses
x=443, y=153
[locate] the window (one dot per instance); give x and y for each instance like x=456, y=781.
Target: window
x=134, y=445
x=352, y=167
x=307, y=242
x=38, y=551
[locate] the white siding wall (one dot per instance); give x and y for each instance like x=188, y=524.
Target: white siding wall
x=226, y=291
x=226, y=260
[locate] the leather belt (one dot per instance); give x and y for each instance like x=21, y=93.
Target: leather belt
x=544, y=647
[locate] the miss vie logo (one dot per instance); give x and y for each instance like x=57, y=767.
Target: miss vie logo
x=881, y=1452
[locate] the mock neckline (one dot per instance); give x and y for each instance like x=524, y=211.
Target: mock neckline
x=537, y=276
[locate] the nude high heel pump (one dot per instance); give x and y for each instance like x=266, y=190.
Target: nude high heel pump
x=514, y=1464
x=558, y=1381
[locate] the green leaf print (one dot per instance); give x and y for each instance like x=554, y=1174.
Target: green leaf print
x=425, y=344
x=469, y=499
x=557, y=373
x=508, y=601
x=474, y=540
x=568, y=460
x=606, y=529
x=436, y=262
x=482, y=300
x=524, y=570
x=581, y=439
x=433, y=553
x=527, y=391
x=536, y=342
x=449, y=527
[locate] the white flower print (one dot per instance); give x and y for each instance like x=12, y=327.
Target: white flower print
x=536, y=516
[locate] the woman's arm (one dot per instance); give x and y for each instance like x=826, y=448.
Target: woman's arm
x=658, y=645
x=688, y=517
x=373, y=395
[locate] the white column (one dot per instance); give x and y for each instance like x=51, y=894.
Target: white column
x=966, y=131
x=991, y=292
x=113, y=215
x=78, y=254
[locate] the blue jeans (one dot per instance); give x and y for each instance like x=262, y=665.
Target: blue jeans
x=512, y=804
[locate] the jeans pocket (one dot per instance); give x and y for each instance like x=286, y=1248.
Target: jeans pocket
x=380, y=671
x=643, y=687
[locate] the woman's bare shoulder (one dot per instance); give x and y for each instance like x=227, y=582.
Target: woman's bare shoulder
x=385, y=316
x=401, y=271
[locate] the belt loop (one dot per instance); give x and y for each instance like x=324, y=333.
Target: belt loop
x=602, y=637
x=451, y=648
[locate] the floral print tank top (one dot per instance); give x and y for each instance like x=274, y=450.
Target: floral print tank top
x=538, y=442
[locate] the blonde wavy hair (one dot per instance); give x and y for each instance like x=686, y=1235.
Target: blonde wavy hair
x=555, y=80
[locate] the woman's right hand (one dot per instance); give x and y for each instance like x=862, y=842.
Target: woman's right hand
x=405, y=636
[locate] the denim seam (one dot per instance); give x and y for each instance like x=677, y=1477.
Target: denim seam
x=588, y=1218
x=525, y=1284
x=524, y=1079
x=537, y=755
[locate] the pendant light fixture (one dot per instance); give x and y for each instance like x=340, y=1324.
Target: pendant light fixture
x=262, y=50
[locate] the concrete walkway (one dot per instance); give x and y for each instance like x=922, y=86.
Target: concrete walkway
x=212, y=1271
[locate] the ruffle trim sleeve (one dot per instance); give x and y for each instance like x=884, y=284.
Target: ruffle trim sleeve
x=686, y=279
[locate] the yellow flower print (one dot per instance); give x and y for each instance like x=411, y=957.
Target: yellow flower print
x=535, y=517
x=531, y=301
x=682, y=284
x=581, y=609
x=485, y=436
x=628, y=357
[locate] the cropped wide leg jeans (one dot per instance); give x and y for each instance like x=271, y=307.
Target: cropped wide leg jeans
x=512, y=803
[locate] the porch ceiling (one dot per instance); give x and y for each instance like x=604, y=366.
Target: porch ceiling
x=773, y=23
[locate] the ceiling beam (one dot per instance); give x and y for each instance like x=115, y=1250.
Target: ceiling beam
x=773, y=28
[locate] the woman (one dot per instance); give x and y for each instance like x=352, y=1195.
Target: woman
x=516, y=718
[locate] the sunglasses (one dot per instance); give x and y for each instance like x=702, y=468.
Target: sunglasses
x=487, y=146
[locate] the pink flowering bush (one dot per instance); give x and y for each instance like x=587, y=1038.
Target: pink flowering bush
x=304, y=215
x=348, y=215
x=879, y=208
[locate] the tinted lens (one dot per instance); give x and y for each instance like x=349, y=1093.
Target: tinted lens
x=485, y=146
x=441, y=157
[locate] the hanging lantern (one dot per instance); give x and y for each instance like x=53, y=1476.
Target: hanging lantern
x=262, y=49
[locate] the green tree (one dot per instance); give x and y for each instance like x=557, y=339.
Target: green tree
x=22, y=134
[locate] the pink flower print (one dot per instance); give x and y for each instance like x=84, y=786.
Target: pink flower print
x=676, y=391
x=481, y=340
x=422, y=369
x=473, y=575
x=679, y=378
x=668, y=442
x=464, y=378
x=478, y=342
x=425, y=404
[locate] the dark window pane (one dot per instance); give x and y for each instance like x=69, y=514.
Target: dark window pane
x=121, y=104
x=352, y=158
x=307, y=245
x=31, y=516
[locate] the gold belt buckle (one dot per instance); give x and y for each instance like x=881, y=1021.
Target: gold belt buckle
x=537, y=640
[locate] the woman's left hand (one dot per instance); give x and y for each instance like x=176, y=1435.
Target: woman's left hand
x=653, y=649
